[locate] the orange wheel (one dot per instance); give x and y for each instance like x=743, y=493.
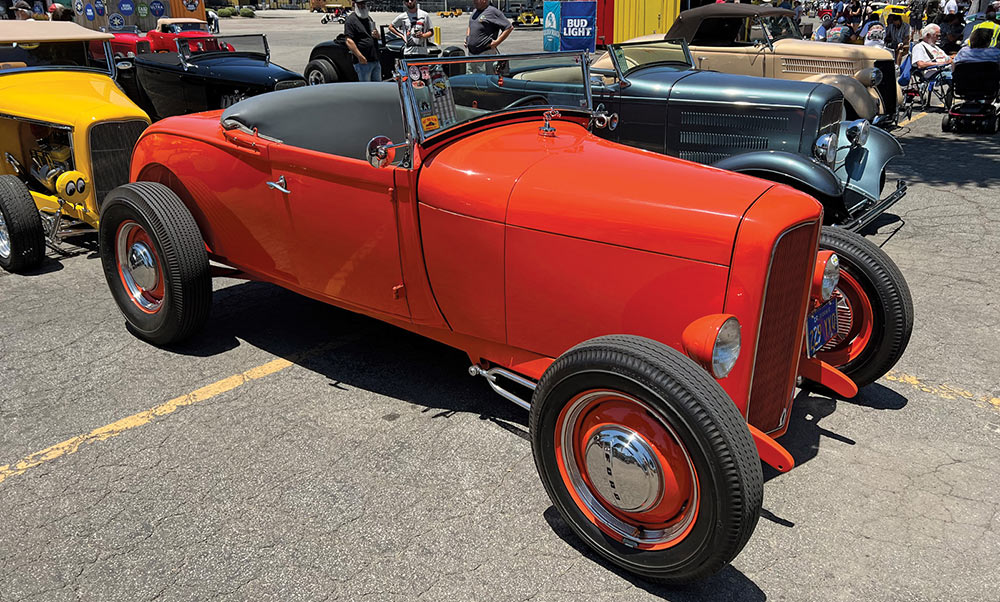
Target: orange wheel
x=874, y=309
x=646, y=458
x=155, y=262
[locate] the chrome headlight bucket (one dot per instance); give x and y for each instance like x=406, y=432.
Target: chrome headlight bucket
x=857, y=132
x=726, y=350
x=826, y=277
x=825, y=148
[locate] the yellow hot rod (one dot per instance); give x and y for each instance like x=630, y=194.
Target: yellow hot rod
x=66, y=136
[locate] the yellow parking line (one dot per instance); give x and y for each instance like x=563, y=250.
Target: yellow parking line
x=942, y=390
x=914, y=118
x=114, y=429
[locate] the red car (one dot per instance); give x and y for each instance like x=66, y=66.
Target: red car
x=653, y=314
x=161, y=39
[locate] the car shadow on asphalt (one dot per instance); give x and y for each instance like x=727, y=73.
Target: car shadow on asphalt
x=727, y=584
x=351, y=350
x=974, y=159
x=804, y=432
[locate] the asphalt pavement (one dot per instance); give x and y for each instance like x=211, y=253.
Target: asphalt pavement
x=300, y=452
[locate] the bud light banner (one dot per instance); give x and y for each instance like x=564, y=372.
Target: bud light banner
x=569, y=26
x=550, y=26
x=578, y=26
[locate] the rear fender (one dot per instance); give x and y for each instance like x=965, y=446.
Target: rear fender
x=811, y=177
x=862, y=100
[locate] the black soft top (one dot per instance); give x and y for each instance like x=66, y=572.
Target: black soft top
x=688, y=22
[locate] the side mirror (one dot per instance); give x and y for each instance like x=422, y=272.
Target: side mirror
x=381, y=151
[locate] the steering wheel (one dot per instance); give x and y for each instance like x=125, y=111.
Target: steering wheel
x=525, y=100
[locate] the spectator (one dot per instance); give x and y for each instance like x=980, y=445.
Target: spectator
x=798, y=12
x=414, y=26
x=926, y=53
x=62, y=13
x=875, y=36
x=951, y=33
x=825, y=25
x=951, y=7
x=838, y=10
x=361, y=36
x=854, y=13
x=933, y=11
x=22, y=11
x=488, y=28
x=989, y=24
x=979, y=49
x=841, y=33
x=785, y=4
x=917, y=8
x=897, y=33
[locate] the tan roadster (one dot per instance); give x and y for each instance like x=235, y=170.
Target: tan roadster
x=764, y=41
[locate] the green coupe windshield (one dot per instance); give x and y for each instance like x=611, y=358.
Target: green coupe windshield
x=53, y=54
x=666, y=53
x=444, y=93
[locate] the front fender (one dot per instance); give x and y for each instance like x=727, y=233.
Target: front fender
x=799, y=172
x=860, y=168
x=864, y=101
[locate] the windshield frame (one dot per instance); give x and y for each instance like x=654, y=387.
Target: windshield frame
x=416, y=135
x=109, y=70
x=623, y=74
x=186, y=57
x=767, y=31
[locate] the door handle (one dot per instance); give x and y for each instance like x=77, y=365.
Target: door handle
x=279, y=185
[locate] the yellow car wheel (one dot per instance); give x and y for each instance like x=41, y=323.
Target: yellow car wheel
x=22, y=241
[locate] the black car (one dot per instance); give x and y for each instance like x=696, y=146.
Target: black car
x=331, y=61
x=204, y=74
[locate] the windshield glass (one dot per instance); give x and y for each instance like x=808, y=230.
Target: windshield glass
x=782, y=27
x=447, y=92
x=666, y=53
x=53, y=54
x=253, y=44
x=179, y=27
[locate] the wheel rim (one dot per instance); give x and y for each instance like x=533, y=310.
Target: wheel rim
x=626, y=469
x=855, y=323
x=4, y=238
x=315, y=78
x=139, y=267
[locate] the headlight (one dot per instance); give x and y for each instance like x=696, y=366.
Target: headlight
x=857, y=132
x=827, y=274
x=714, y=342
x=825, y=148
x=727, y=348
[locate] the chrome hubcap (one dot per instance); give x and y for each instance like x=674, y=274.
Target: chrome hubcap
x=137, y=262
x=4, y=238
x=624, y=469
x=316, y=78
x=142, y=266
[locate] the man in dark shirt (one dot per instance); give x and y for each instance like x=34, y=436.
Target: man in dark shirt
x=488, y=27
x=361, y=34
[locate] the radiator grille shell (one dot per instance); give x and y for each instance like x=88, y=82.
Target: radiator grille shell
x=111, y=145
x=779, y=339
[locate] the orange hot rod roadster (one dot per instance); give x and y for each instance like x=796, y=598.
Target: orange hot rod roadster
x=654, y=323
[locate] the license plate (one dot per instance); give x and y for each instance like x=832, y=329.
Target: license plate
x=822, y=326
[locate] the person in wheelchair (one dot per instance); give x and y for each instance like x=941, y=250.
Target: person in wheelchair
x=976, y=81
x=979, y=49
x=927, y=56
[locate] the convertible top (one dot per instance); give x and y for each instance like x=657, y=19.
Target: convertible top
x=47, y=31
x=688, y=22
